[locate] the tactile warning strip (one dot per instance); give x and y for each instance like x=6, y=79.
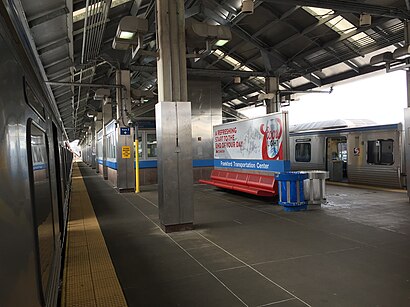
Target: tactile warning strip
x=89, y=276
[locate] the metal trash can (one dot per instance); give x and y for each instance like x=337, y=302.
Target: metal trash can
x=291, y=195
x=314, y=187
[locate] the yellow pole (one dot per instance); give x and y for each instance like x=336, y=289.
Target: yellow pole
x=137, y=169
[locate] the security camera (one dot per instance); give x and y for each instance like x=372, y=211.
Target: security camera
x=129, y=123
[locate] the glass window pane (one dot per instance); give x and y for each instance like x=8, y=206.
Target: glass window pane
x=151, y=145
x=43, y=214
x=303, y=152
x=372, y=152
x=140, y=145
x=386, y=152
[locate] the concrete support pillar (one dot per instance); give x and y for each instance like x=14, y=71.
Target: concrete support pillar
x=93, y=146
x=173, y=120
x=107, y=116
x=98, y=122
x=272, y=86
x=125, y=139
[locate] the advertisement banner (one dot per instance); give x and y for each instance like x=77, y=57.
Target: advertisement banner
x=259, y=139
x=254, y=140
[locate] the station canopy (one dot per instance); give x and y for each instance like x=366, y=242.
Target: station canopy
x=306, y=44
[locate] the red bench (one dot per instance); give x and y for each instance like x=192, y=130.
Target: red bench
x=255, y=184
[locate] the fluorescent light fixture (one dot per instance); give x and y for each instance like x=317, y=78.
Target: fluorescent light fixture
x=221, y=42
x=402, y=53
x=126, y=35
x=129, y=32
x=247, y=7
x=381, y=59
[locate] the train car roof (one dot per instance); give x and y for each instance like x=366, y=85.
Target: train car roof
x=332, y=124
x=340, y=126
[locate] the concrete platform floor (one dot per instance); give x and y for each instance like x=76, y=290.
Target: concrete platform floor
x=245, y=251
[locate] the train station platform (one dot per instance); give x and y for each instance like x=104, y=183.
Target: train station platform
x=244, y=251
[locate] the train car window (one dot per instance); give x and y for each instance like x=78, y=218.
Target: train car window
x=33, y=102
x=303, y=152
x=380, y=152
x=41, y=201
x=139, y=145
x=151, y=145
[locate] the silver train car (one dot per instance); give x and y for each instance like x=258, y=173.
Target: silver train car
x=35, y=166
x=356, y=153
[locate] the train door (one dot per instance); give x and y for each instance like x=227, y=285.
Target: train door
x=60, y=183
x=336, y=158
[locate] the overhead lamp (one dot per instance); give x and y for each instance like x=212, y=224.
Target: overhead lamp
x=365, y=20
x=247, y=7
x=200, y=34
x=130, y=26
x=126, y=35
x=221, y=42
x=130, y=33
x=402, y=53
x=381, y=59
x=101, y=93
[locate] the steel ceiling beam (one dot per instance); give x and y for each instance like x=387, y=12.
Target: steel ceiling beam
x=62, y=41
x=247, y=37
x=339, y=39
x=257, y=33
x=205, y=72
x=313, y=79
x=136, y=5
x=350, y=7
x=47, y=16
x=340, y=77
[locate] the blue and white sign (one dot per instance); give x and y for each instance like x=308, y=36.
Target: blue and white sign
x=256, y=165
x=125, y=131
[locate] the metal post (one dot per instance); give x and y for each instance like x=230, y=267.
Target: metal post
x=173, y=120
x=137, y=168
x=272, y=86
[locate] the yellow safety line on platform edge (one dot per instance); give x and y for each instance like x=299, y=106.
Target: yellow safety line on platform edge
x=363, y=186
x=89, y=275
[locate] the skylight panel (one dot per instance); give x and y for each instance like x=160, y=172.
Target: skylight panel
x=318, y=12
x=341, y=25
x=362, y=39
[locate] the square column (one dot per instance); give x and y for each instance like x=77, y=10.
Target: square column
x=98, y=122
x=173, y=120
x=124, y=135
x=107, y=116
x=272, y=86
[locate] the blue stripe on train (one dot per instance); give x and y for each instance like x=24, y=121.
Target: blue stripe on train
x=153, y=163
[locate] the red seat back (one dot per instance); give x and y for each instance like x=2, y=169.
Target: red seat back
x=261, y=181
x=219, y=175
x=237, y=178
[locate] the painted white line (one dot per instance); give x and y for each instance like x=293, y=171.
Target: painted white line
x=237, y=222
x=156, y=206
x=255, y=270
x=186, y=252
x=277, y=302
x=284, y=259
x=233, y=268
